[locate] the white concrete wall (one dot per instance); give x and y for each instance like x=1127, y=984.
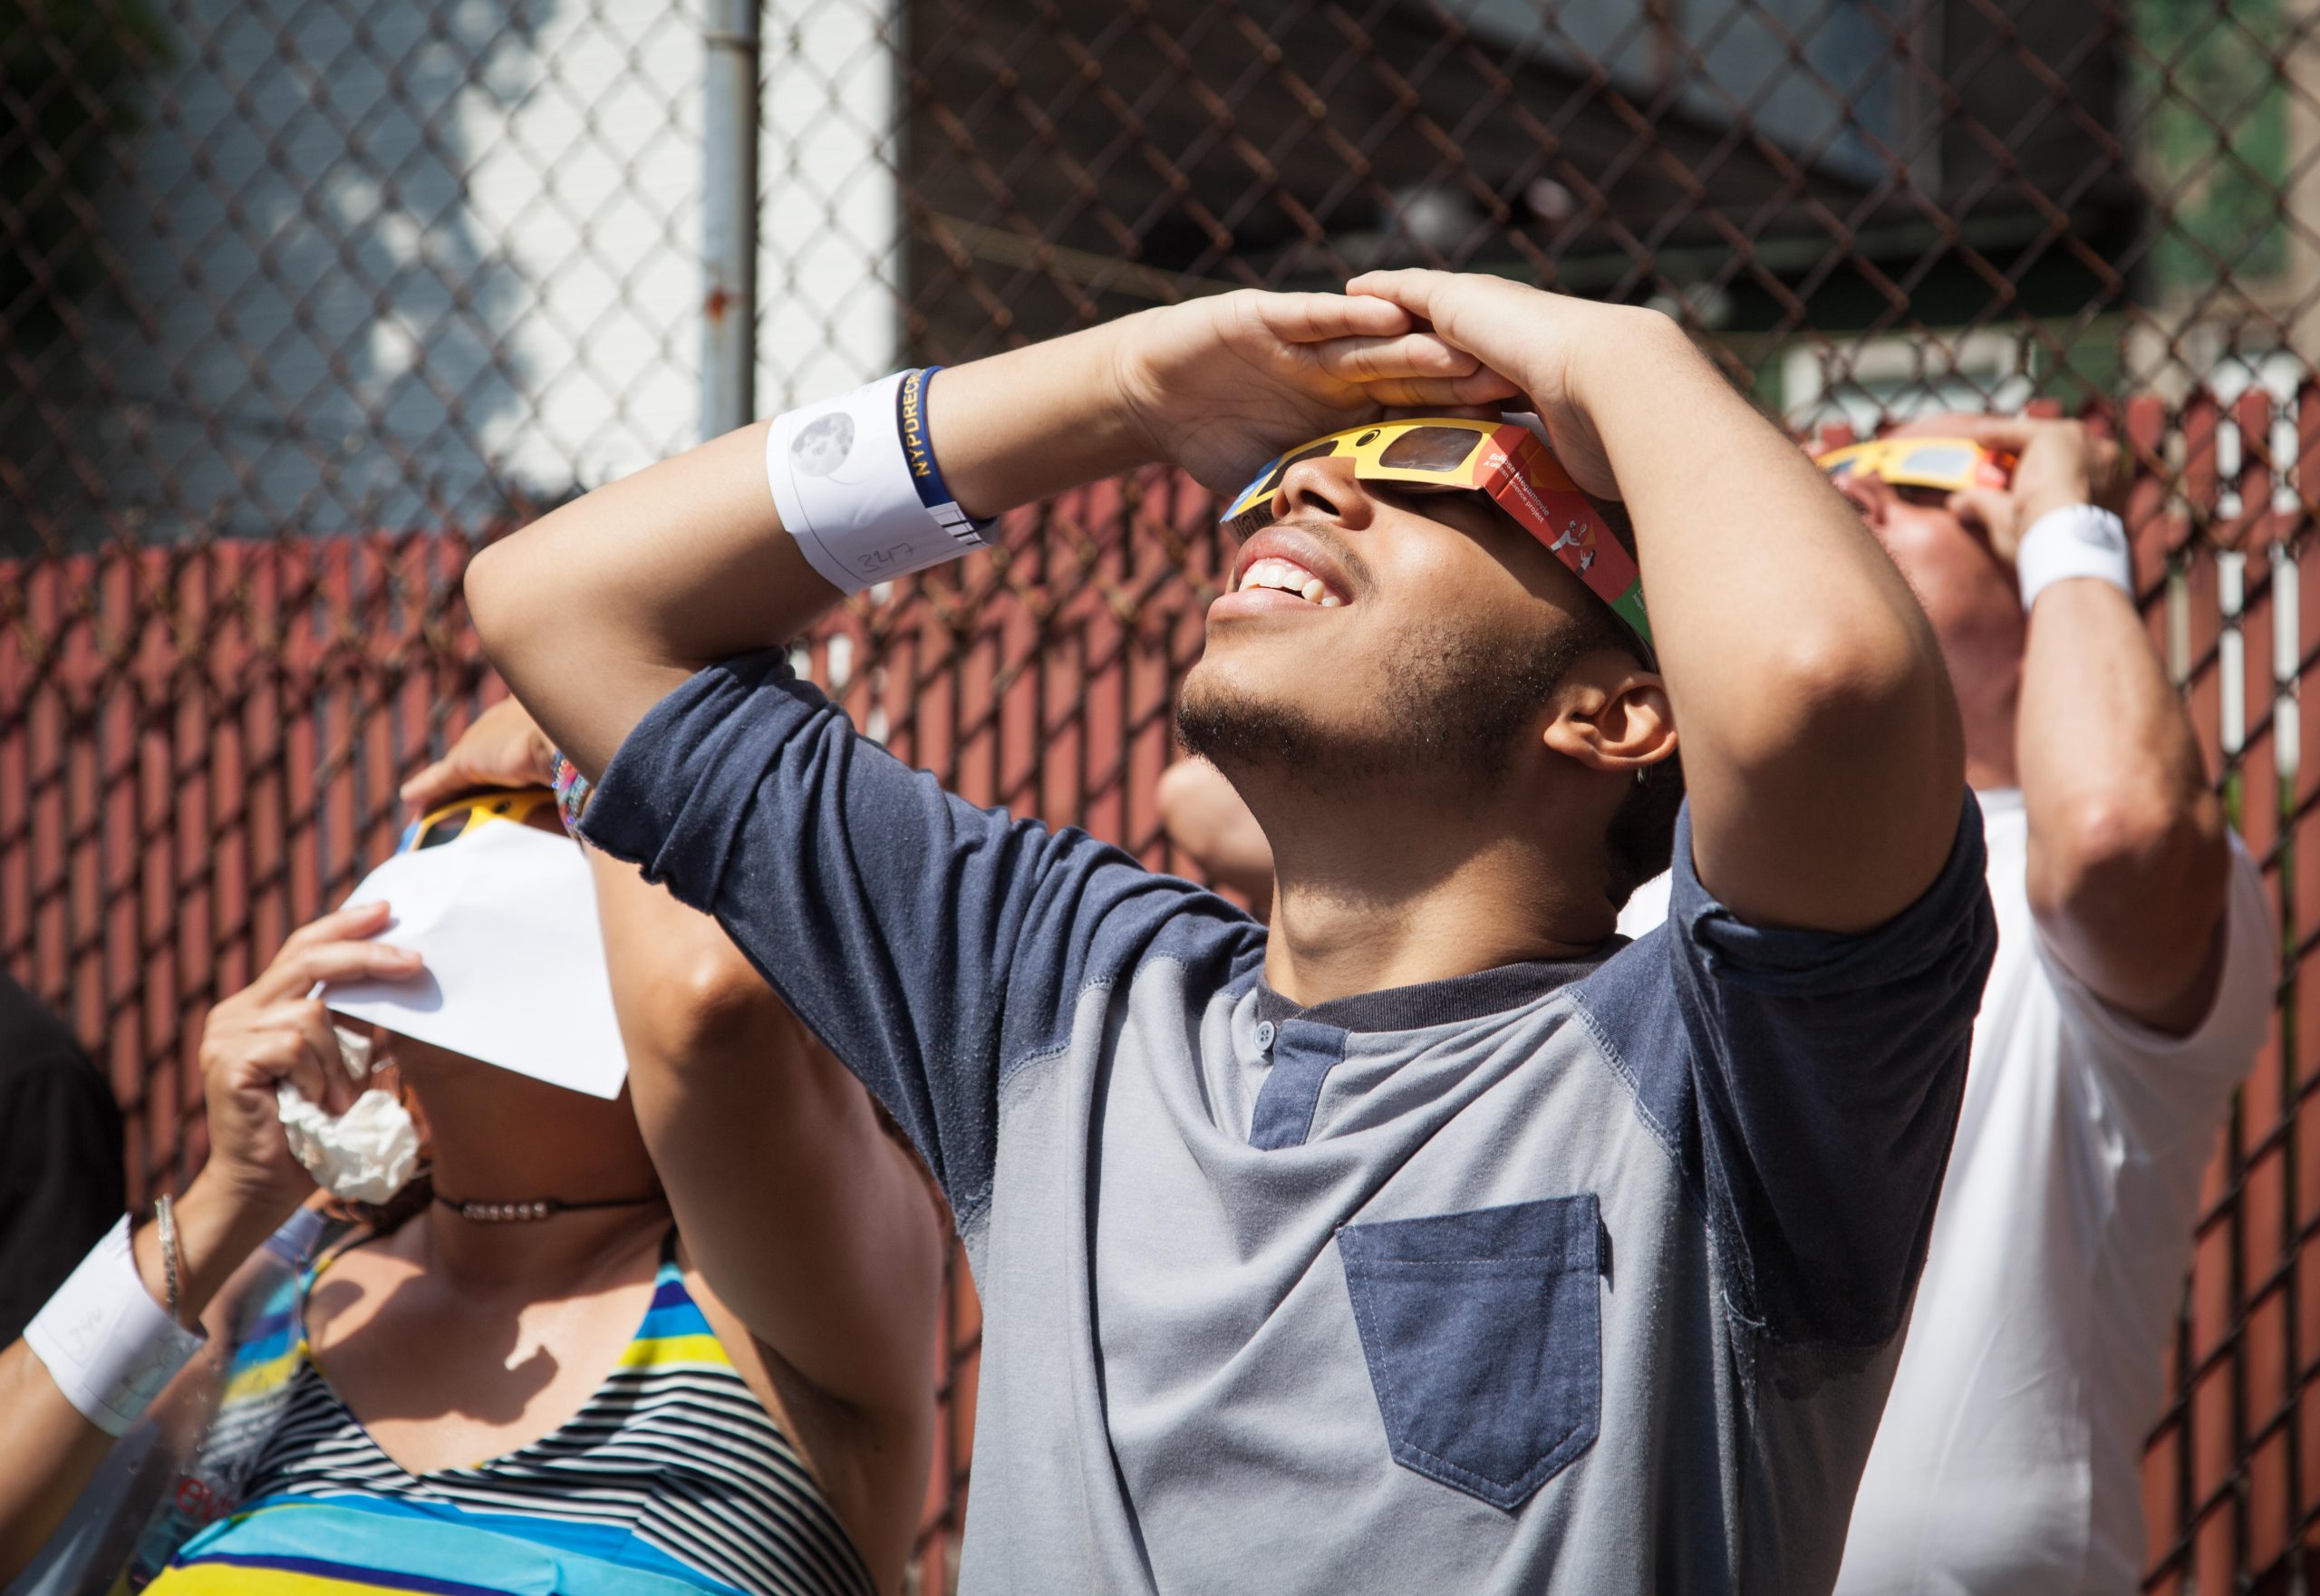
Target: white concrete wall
x=389, y=259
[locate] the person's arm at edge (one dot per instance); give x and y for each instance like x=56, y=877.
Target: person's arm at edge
x=251, y=1185
x=1822, y=745
x=597, y=610
x=812, y=1225
x=2128, y=878
x=48, y=1449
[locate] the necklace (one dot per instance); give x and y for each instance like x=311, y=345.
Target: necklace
x=536, y=1208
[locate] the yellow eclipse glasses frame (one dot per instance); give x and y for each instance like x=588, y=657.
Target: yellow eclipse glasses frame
x=1502, y=460
x=1949, y=465
x=455, y=820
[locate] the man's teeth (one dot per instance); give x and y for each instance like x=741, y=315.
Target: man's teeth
x=1289, y=577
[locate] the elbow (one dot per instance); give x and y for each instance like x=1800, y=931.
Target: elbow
x=699, y=1008
x=1867, y=692
x=491, y=588
x=710, y=1027
x=2122, y=851
x=1845, y=673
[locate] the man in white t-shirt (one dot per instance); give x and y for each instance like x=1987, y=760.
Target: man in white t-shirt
x=2135, y=965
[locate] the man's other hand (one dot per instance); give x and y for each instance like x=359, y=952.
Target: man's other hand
x=503, y=747
x=1544, y=343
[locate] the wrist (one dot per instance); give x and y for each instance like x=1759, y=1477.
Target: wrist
x=1019, y=427
x=2036, y=506
x=220, y=1221
x=1617, y=346
x=2074, y=541
x=1126, y=387
x=108, y=1345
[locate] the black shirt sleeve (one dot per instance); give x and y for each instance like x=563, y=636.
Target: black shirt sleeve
x=62, y=1182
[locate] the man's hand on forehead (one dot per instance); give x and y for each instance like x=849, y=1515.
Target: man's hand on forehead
x=1537, y=339
x=1218, y=386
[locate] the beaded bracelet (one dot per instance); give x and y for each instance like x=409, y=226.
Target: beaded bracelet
x=573, y=790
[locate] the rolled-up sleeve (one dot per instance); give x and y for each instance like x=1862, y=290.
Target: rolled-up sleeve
x=1823, y=1075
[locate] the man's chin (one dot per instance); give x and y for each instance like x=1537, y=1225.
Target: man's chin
x=1237, y=724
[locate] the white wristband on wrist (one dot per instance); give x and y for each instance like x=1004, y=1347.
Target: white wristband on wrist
x=106, y=1343
x=2077, y=540
x=864, y=508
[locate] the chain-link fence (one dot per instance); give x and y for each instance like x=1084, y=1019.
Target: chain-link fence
x=300, y=300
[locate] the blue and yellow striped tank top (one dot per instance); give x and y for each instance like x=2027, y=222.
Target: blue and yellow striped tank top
x=672, y=1479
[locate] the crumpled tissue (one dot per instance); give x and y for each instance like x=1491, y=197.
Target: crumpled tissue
x=367, y=1154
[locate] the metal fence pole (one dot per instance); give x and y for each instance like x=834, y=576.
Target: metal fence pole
x=729, y=220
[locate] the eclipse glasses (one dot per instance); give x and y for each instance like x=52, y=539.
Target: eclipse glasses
x=520, y=805
x=1949, y=465
x=1503, y=460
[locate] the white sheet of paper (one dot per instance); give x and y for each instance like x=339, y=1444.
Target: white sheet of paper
x=505, y=919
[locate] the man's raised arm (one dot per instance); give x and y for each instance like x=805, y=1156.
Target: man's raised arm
x=595, y=613
x=2129, y=864
x=1821, y=742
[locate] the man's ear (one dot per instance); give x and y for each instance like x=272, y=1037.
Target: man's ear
x=1612, y=715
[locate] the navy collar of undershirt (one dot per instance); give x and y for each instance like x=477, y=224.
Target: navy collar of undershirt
x=1455, y=1002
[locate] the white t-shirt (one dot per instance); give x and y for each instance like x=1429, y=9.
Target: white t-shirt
x=2009, y=1459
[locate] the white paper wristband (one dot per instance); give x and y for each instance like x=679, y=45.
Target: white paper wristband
x=106, y=1343
x=2077, y=540
x=846, y=492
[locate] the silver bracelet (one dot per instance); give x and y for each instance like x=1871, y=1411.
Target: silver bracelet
x=168, y=1223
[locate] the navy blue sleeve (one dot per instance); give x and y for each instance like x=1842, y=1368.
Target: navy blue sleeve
x=931, y=944
x=1811, y=1083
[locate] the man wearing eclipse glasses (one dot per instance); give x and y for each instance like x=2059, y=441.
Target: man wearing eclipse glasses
x=1437, y=1239
x=2129, y=992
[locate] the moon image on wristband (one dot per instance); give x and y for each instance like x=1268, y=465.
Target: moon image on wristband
x=821, y=446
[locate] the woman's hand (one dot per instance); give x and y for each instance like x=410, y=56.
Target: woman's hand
x=271, y=1031
x=1546, y=343
x=502, y=748
x=1220, y=385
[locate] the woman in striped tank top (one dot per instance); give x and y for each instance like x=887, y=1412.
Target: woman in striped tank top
x=597, y=1398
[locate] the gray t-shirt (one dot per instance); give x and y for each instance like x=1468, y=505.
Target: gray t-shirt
x=1585, y=1276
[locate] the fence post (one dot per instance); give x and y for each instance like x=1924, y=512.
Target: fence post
x=729, y=215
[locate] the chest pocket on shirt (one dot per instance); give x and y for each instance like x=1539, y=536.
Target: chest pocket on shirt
x=1484, y=1334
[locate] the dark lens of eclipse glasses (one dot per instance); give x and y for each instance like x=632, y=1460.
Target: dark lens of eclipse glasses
x=1430, y=448
x=444, y=830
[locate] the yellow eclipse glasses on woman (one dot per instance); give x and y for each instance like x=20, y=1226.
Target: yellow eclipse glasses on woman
x=1503, y=460
x=1948, y=465
x=520, y=804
